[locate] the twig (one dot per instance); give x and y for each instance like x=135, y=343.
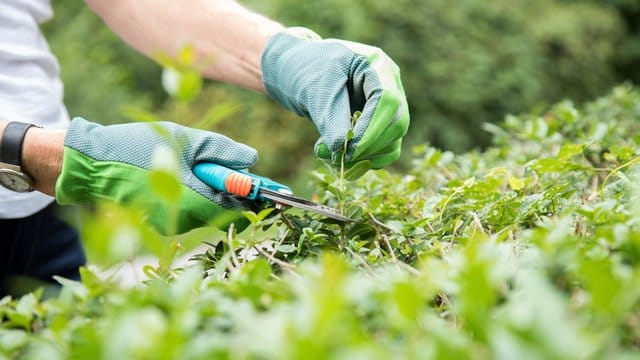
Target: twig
x=275, y=260
x=381, y=224
x=230, y=268
x=367, y=266
x=616, y=171
x=594, y=188
x=476, y=219
x=409, y=268
x=234, y=258
x=287, y=221
x=393, y=254
x=515, y=243
x=446, y=172
x=399, y=264
x=431, y=227
x=275, y=248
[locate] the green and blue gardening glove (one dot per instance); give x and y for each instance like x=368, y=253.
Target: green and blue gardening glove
x=328, y=81
x=114, y=163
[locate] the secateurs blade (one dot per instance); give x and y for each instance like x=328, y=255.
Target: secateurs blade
x=255, y=187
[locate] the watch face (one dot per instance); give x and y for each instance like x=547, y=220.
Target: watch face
x=15, y=181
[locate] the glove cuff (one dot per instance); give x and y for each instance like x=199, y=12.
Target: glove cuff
x=71, y=183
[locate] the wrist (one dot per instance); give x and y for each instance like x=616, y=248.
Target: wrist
x=42, y=152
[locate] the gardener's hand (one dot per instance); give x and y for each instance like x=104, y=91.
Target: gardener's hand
x=114, y=162
x=327, y=81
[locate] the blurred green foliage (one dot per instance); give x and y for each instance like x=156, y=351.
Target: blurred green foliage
x=469, y=62
x=464, y=63
x=627, y=56
x=101, y=74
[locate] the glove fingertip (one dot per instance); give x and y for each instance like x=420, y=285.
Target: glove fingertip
x=247, y=157
x=386, y=159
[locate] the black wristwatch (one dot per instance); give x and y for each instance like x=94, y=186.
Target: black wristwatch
x=11, y=175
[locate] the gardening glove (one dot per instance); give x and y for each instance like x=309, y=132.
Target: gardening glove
x=114, y=163
x=328, y=81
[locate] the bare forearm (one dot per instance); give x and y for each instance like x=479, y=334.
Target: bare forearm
x=42, y=156
x=228, y=39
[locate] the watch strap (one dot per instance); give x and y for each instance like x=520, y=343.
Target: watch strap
x=11, y=142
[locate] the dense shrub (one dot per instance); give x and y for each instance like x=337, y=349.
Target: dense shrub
x=530, y=249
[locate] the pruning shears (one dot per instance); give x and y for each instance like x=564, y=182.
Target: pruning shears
x=255, y=187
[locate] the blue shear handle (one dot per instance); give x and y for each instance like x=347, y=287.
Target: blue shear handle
x=213, y=175
x=216, y=175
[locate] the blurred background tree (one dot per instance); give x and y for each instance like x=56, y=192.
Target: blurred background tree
x=464, y=63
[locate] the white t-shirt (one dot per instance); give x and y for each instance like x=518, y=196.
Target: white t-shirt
x=30, y=86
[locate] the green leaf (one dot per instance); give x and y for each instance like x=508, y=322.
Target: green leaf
x=354, y=118
x=251, y=216
x=184, y=85
x=167, y=258
x=165, y=185
x=163, y=177
x=354, y=212
x=362, y=230
x=567, y=151
x=516, y=183
x=375, y=201
x=357, y=170
x=286, y=248
x=187, y=56
x=12, y=340
x=171, y=78
x=621, y=153
x=264, y=213
x=138, y=114
x=396, y=225
x=216, y=114
x=554, y=165
x=190, y=86
x=350, y=135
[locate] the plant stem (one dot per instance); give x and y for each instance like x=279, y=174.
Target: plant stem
x=341, y=200
x=616, y=171
x=341, y=180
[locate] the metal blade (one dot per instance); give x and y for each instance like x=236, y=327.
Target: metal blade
x=291, y=200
